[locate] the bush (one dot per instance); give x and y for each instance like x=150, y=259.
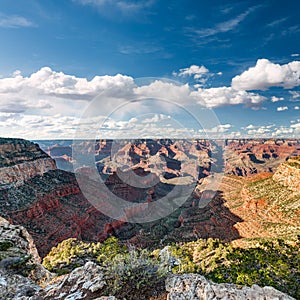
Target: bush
x=72, y=253
x=134, y=275
x=273, y=263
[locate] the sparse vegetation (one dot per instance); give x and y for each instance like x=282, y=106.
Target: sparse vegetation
x=273, y=263
x=4, y=245
x=72, y=253
x=134, y=274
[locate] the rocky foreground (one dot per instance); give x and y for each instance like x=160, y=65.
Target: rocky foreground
x=23, y=277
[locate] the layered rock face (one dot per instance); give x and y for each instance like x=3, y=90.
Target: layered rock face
x=51, y=206
x=20, y=268
x=49, y=203
x=21, y=160
x=196, y=287
x=242, y=157
x=247, y=157
x=288, y=174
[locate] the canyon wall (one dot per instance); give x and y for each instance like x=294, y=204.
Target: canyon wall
x=288, y=174
x=21, y=160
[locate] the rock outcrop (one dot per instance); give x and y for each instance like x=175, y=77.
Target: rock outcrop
x=21, y=160
x=20, y=268
x=85, y=282
x=22, y=277
x=196, y=287
x=52, y=208
x=288, y=174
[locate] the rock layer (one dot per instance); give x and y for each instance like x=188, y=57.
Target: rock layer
x=288, y=174
x=196, y=287
x=21, y=160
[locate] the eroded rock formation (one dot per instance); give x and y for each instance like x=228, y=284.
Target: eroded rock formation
x=196, y=287
x=288, y=174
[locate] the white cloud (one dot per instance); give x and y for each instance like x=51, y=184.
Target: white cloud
x=284, y=131
x=126, y=7
x=224, y=26
x=49, y=104
x=14, y=21
x=193, y=70
x=220, y=128
x=295, y=94
x=296, y=108
x=282, y=108
x=276, y=22
x=156, y=118
x=47, y=88
x=296, y=127
x=276, y=99
x=295, y=54
x=165, y=90
x=258, y=131
x=251, y=126
x=221, y=96
x=266, y=74
x=199, y=73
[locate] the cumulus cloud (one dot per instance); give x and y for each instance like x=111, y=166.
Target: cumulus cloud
x=282, y=108
x=164, y=90
x=266, y=74
x=258, y=130
x=276, y=99
x=283, y=131
x=220, y=128
x=296, y=107
x=193, y=70
x=46, y=88
x=53, y=102
x=221, y=96
x=199, y=73
x=295, y=127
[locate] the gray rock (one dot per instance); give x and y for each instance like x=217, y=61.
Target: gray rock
x=13, y=286
x=82, y=283
x=197, y=287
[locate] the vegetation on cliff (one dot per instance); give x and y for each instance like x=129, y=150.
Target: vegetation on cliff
x=127, y=272
x=273, y=263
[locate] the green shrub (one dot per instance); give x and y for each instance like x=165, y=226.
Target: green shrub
x=134, y=275
x=72, y=253
x=273, y=263
x=5, y=245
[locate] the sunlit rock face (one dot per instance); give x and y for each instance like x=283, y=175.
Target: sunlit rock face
x=194, y=287
x=288, y=174
x=21, y=160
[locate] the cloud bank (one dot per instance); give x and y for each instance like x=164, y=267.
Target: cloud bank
x=50, y=103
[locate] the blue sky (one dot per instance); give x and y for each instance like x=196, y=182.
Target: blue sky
x=239, y=58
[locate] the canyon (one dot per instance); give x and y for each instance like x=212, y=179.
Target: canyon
x=241, y=190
